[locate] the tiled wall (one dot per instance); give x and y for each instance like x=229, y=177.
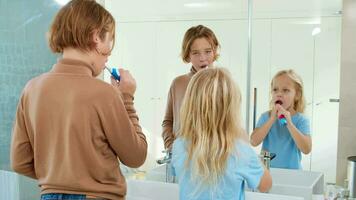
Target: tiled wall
x=23, y=55
x=347, y=113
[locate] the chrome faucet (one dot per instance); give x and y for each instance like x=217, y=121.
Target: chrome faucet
x=166, y=159
x=266, y=158
x=170, y=178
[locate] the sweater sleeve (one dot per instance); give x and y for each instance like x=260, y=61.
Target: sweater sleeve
x=21, y=156
x=121, y=126
x=167, y=124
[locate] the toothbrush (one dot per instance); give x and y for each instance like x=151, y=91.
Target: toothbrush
x=281, y=118
x=115, y=73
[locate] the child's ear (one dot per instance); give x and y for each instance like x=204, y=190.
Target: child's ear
x=96, y=37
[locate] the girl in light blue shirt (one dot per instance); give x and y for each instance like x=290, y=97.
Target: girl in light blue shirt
x=284, y=130
x=211, y=156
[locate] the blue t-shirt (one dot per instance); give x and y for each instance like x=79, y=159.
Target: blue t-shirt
x=280, y=142
x=243, y=166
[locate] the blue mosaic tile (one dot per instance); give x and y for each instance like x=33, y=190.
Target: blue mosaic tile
x=24, y=54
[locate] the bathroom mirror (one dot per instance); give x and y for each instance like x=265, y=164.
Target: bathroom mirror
x=300, y=35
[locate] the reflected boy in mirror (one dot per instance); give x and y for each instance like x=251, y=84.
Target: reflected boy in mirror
x=200, y=48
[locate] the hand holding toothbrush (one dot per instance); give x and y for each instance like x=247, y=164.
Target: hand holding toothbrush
x=127, y=84
x=283, y=114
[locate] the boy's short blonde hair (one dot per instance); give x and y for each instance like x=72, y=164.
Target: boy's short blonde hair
x=194, y=33
x=75, y=24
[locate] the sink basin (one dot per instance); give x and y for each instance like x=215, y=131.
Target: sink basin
x=153, y=190
x=297, y=183
x=268, y=196
x=157, y=174
x=17, y=187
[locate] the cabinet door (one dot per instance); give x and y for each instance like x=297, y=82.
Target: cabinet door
x=168, y=65
x=281, y=44
x=293, y=48
x=260, y=69
x=135, y=50
x=326, y=89
x=290, y=44
x=232, y=35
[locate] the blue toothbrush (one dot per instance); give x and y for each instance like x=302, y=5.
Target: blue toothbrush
x=114, y=72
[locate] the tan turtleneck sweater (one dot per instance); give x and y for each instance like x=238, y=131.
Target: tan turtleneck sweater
x=171, y=121
x=70, y=131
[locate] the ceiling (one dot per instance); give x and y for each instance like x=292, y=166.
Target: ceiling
x=219, y=9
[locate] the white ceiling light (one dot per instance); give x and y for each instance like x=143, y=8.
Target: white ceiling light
x=316, y=21
x=196, y=5
x=316, y=31
x=62, y=2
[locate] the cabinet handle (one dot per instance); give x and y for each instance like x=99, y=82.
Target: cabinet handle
x=334, y=100
x=254, y=107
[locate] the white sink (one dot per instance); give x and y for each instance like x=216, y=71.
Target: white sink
x=157, y=174
x=17, y=187
x=153, y=190
x=268, y=196
x=297, y=183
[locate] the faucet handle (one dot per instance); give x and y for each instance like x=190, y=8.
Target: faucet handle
x=167, y=151
x=266, y=158
x=167, y=158
x=267, y=154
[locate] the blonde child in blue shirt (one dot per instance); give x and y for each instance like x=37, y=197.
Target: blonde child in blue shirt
x=292, y=137
x=211, y=156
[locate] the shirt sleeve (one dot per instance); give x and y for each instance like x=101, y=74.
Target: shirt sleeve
x=304, y=125
x=123, y=131
x=250, y=166
x=177, y=156
x=22, y=157
x=262, y=120
x=167, y=124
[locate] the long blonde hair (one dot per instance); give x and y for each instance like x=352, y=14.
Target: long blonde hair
x=299, y=100
x=210, y=123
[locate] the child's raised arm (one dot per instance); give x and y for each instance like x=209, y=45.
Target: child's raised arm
x=259, y=134
x=303, y=142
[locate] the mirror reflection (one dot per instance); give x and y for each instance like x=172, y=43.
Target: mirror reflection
x=284, y=36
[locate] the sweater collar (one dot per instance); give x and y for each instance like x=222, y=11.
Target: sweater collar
x=193, y=70
x=66, y=65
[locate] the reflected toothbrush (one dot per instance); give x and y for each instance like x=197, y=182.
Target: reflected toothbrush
x=281, y=118
x=114, y=72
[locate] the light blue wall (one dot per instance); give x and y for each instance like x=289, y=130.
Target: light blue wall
x=24, y=53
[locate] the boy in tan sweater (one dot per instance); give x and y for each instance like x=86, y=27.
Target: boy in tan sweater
x=72, y=128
